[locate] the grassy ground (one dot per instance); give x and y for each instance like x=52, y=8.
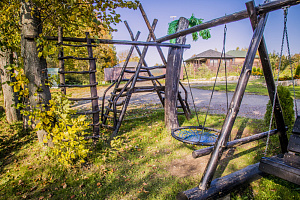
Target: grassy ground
x=253, y=87
x=144, y=162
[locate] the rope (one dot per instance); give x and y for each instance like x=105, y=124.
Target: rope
x=276, y=85
x=223, y=52
x=191, y=94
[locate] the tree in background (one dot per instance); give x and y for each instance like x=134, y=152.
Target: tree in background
x=122, y=55
x=19, y=18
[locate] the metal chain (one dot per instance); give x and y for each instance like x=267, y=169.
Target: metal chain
x=276, y=85
x=212, y=93
x=290, y=63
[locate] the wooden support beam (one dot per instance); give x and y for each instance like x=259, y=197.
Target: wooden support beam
x=172, y=78
x=262, y=9
x=106, y=41
x=61, y=62
x=258, y=136
x=222, y=186
x=267, y=69
x=234, y=106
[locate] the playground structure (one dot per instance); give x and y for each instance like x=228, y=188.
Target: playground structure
x=286, y=167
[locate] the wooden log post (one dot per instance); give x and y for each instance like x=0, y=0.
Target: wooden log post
x=267, y=69
x=61, y=61
x=172, y=78
x=233, y=110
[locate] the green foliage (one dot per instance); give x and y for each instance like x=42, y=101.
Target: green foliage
x=65, y=131
x=287, y=106
x=297, y=72
x=256, y=71
x=193, y=21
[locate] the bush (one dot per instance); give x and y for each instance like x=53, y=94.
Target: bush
x=297, y=72
x=287, y=106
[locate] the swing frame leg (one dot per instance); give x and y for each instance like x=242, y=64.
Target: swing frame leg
x=267, y=69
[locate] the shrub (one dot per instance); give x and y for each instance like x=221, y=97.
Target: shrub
x=287, y=106
x=297, y=72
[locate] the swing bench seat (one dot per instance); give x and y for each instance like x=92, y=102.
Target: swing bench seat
x=286, y=166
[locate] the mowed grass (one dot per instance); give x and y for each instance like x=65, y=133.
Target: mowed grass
x=139, y=164
x=257, y=87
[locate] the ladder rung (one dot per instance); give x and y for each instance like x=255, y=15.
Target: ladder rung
x=132, y=71
x=154, y=67
x=76, y=58
x=119, y=89
x=107, y=116
x=148, y=89
x=77, y=72
x=152, y=77
x=87, y=112
x=107, y=126
x=94, y=84
x=117, y=104
x=109, y=109
x=83, y=99
x=73, y=45
x=122, y=95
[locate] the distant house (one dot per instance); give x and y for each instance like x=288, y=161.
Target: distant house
x=208, y=58
x=239, y=58
x=212, y=59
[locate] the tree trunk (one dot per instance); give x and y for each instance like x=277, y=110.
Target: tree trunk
x=35, y=67
x=10, y=97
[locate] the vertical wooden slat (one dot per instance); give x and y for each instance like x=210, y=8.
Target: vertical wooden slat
x=173, y=68
x=95, y=106
x=61, y=61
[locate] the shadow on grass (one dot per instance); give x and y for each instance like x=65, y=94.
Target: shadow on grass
x=12, y=140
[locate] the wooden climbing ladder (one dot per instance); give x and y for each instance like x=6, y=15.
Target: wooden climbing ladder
x=92, y=78
x=119, y=100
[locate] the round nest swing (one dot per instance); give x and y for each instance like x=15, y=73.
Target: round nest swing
x=195, y=135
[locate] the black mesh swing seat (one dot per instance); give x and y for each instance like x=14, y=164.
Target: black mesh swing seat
x=196, y=135
x=286, y=166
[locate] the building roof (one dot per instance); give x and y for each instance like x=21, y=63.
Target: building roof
x=209, y=54
x=239, y=54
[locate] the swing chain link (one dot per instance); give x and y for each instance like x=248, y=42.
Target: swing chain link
x=278, y=72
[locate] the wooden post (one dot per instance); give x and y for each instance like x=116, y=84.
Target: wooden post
x=61, y=61
x=172, y=78
x=234, y=106
x=95, y=106
x=267, y=69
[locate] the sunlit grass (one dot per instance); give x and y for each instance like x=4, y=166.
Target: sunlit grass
x=137, y=165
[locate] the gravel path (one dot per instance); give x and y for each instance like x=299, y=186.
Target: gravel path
x=253, y=106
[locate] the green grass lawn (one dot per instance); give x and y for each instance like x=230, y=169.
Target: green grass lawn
x=253, y=87
x=144, y=162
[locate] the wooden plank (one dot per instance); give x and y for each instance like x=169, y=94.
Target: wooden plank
x=277, y=167
x=234, y=106
x=267, y=69
x=152, y=77
x=172, y=79
x=77, y=72
x=292, y=159
x=262, y=9
x=75, y=58
x=83, y=99
x=89, y=85
x=294, y=143
x=222, y=186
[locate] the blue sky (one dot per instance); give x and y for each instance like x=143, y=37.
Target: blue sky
x=238, y=33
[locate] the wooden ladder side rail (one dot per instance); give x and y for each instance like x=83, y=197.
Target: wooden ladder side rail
x=267, y=69
x=93, y=89
x=219, y=146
